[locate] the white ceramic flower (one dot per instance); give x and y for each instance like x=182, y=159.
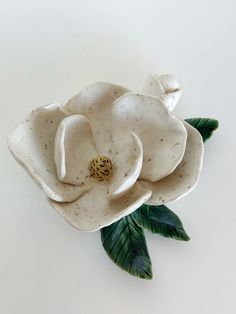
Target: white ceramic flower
x=109, y=150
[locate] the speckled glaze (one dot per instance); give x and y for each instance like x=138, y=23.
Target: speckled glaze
x=156, y=157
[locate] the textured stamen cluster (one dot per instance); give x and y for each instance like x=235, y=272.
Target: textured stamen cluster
x=101, y=168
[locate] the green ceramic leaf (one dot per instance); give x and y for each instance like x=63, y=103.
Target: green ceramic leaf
x=161, y=220
x=125, y=244
x=205, y=126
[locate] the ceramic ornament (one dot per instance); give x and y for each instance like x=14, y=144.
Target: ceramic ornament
x=109, y=159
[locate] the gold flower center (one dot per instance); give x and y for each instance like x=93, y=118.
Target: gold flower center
x=101, y=168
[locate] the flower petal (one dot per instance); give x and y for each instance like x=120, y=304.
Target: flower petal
x=186, y=175
x=94, y=210
x=32, y=145
x=127, y=161
x=165, y=87
x=74, y=150
x=94, y=103
x=163, y=136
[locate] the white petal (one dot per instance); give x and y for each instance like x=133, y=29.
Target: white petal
x=171, y=99
x=94, y=103
x=186, y=175
x=32, y=145
x=152, y=86
x=74, y=150
x=94, y=210
x=163, y=136
x=168, y=82
x=127, y=161
x=165, y=87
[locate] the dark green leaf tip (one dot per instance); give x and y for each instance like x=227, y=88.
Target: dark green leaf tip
x=205, y=126
x=125, y=244
x=160, y=220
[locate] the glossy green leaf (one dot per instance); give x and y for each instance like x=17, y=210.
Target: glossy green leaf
x=125, y=244
x=205, y=126
x=160, y=219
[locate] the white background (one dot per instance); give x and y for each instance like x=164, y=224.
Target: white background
x=49, y=50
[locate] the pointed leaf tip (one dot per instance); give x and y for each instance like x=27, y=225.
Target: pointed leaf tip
x=161, y=220
x=205, y=126
x=125, y=244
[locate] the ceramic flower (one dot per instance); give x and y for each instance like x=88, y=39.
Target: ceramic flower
x=109, y=150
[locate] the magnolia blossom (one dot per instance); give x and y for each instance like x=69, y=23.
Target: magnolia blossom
x=109, y=150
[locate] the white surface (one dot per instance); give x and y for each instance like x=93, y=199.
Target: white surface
x=48, y=51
